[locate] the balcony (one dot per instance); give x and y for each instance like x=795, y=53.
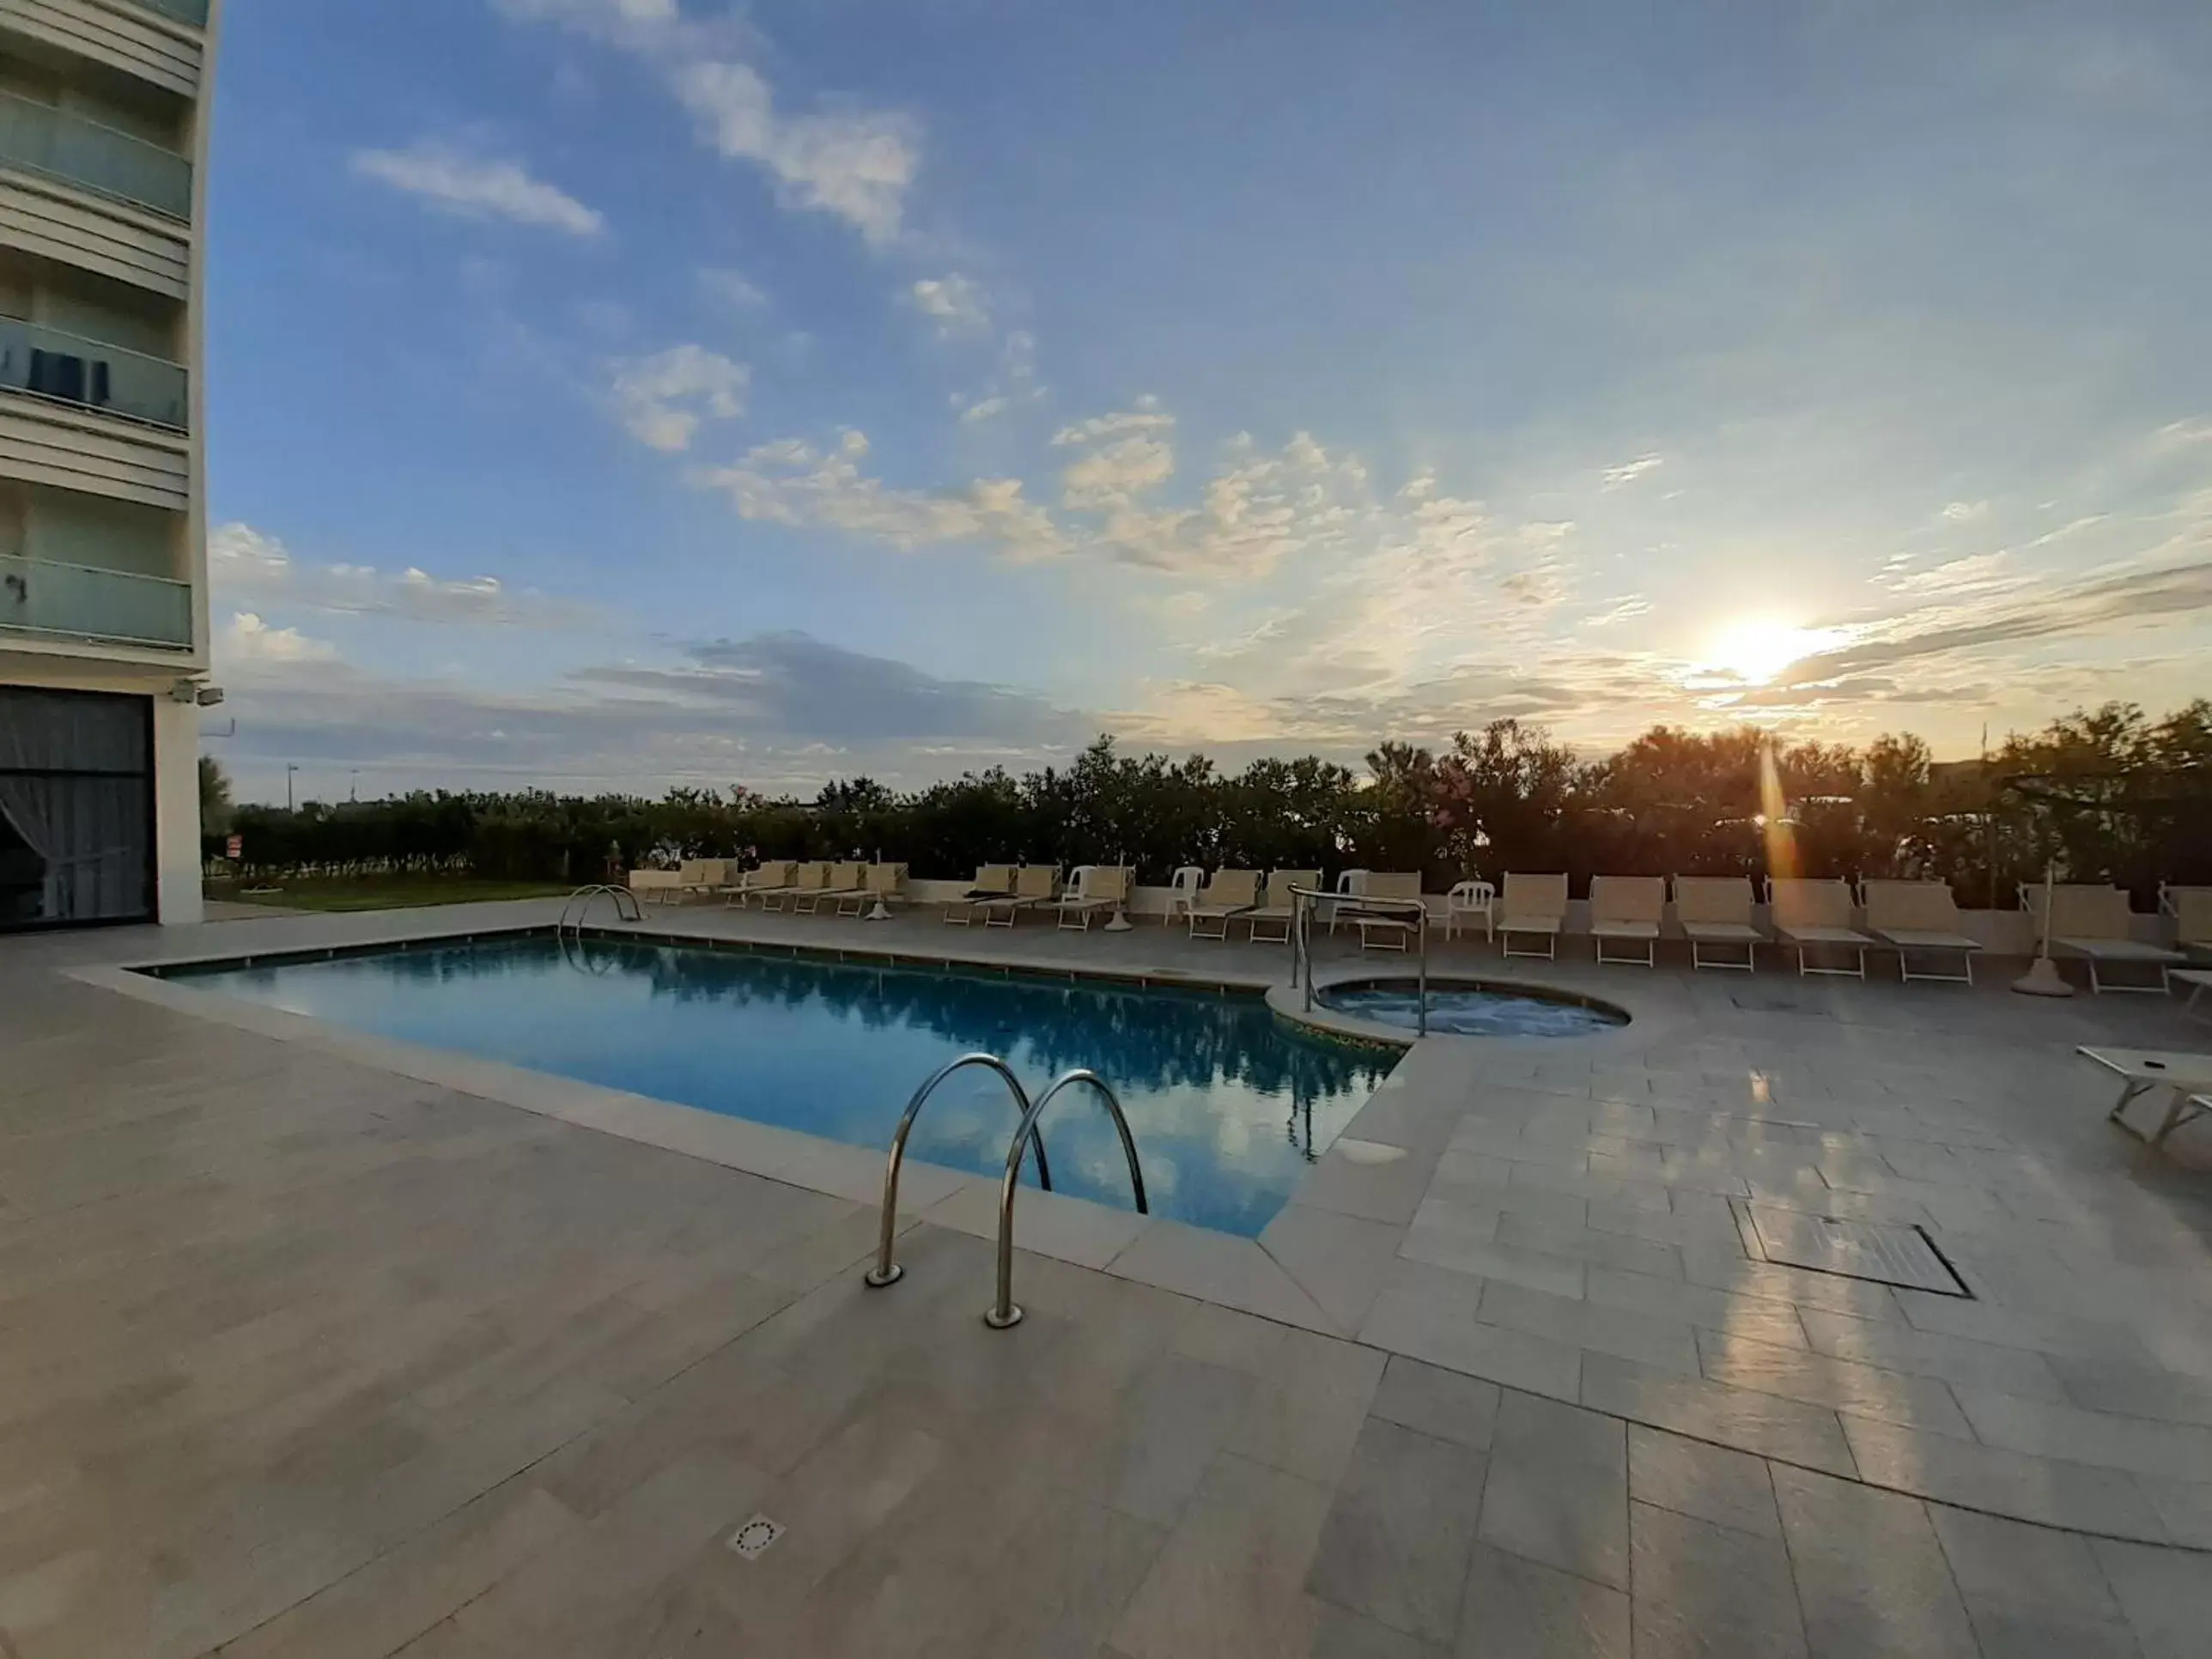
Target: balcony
x=70, y=368
x=194, y=12
x=77, y=601
x=40, y=138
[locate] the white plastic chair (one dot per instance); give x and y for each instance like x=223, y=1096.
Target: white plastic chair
x=1470, y=899
x=1182, y=892
x=1349, y=883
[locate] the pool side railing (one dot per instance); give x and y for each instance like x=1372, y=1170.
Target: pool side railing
x=888, y=1272
x=1302, y=967
x=1003, y=1314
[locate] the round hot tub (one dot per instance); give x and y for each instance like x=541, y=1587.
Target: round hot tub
x=1471, y=1007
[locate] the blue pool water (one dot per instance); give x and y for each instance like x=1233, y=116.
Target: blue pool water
x=1227, y=1106
x=1470, y=1009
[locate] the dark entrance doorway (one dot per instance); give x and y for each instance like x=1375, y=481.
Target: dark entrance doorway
x=76, y=808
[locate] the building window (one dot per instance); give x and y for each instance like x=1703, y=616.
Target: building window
x=76, y=808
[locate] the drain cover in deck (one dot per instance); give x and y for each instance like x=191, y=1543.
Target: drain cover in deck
x=1850, y=1250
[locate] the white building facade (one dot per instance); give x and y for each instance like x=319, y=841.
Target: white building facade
x=104, y=107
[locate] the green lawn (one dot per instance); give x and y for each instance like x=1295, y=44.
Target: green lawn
x=384, y=892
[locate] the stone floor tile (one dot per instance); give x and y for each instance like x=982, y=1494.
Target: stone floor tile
x=1223, y=1336
x=1742, y=1419
x=1445, y=1404
x=1415, y=1322
x=2041, y=1430
x=1148, y=1458
x=1871, y=1577
x=1369, y=1178
x=1517, y=1608
x=1899, y=1347
x=1059, y=1583
x=1394, y=1546
x=2030, y=1589
x=1587, y=1244
x=2166, y=1594
x=2046, y=1490
x=445, y=1640
x=1340, y=1633
x=2048, y=1334
x=1558, y=1489
x=1732, y=1271
x=1341, y=1261
x=1214, y=1266
x=2184, y=1506
x=1305, y=1417
x=1729, y=1488
x=1842, y=1385
x=1436, y=1238
x=2133, y=1389
x=1228, y=1578
x=1661, y=1343
x=1753, y=1317
x=1703, y=1590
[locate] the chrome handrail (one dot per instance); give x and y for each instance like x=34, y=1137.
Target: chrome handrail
x=621, y=895
x=886, y=1271
x=1301, y=939
x=1003, y=1314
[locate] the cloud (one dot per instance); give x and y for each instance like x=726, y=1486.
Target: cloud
x=247, y=566
x=662, y=398
x=1977, y=573
x=452, y=180
x=1618, y=477
x=1146, y=416
x=731, y=287
x=856, y=164
x=957, y=304
x=1114, y=474
x=792, y=481
x=1966, y=512
x=1634, y=606
x=249, y=642
x=982, y=409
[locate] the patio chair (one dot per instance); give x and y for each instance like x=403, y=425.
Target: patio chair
x=1352, y=883
x=1091, y=888
x=1279, y=907
x=2192, y=910
x=1036, y=885
x=702, y=876
x=843, y=881
x=2095, y=922
x=1465, y=902
x=992, y=881
x=1534, y=907
x=1182, y=892
x=1628, y=908
x=751, y=884
x=1919, y=917
x=808, y=878
x=1392, y=929
x=1816, y=913
x=880, y=883
x=1715, y=911
x=1229, y=893
x=656, y=886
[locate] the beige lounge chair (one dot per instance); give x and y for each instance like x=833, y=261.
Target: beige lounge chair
x=1093, y=888
x=2192, y=910
x=992, y=881
x=1279, y=909
x=1392, y=929
x=1534, y=906
x=808, y=879
x=1919, y=917
x=843, y=882
x=2093, y=922
x=1227, y=893
x=1716, y=911
x=701, y=876
x=1815, y=913
x=1628, y=908
x=749, y=885
x=880, y=883
x=1036, y=885
x=656, y=886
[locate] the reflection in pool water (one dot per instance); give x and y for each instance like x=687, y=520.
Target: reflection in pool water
x=1468, y=1009
x=1227, y=1106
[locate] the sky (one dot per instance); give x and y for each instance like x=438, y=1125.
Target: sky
x=623, y=393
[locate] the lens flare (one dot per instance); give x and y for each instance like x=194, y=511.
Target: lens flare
x=1774, y=815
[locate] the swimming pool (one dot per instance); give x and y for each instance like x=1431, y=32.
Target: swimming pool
x=1227, y=1106
x=1473, y=1008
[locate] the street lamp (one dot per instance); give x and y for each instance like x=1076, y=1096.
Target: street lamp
x=289, y=769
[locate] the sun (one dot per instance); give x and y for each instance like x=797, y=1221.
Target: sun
x=1755, y=651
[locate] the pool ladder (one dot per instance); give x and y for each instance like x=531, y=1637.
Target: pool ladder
x=1002, y=1313
x=579, y=906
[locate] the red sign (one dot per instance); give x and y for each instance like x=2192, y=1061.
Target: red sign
x=236, y=848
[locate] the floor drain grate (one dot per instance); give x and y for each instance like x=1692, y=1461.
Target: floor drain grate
x=756, y=1536
x=1903, y=1256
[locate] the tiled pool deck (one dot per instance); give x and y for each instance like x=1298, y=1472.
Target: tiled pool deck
x=318, y=1345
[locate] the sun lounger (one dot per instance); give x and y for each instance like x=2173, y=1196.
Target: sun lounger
x=2192, y=910
x=1628, y=909
x=1227, y=893
x=1531, y=906
x=656, y=886
x=1093, y=888
x=1394, y=929
x=751, y=884
x=992, y=881
x=838, y=882
x=2189, y=1077
x=1816, y=914
x=1715, y=911
x=880, y=883
x=1919, y=918
x=701, y=876
x=1036, y=885
x=1279, y=909
x=2093, y=922
x=808, y=878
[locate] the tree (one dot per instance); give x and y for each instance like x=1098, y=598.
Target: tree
x=1501, y=798
x=214, y=798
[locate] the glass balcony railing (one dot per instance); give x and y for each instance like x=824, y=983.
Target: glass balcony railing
x=38, y=595
x=44, y=139
x=194, y=12
x=76, y=370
